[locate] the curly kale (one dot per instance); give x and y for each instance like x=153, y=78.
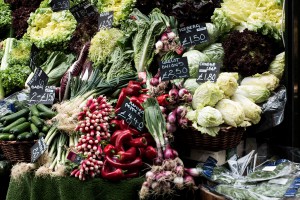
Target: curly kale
x=248, y=52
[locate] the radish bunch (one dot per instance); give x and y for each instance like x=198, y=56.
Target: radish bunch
x=93, y=124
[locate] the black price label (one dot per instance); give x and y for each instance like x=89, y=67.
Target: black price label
x=39, y=80
x=38, y=149
x=132, y=114
x=58, y=5
x=75, y=158
x=105, y=20
x=174, y=69
x=193, y=35
x=33, y=57
x=208, y=72
x=46, y=96
x=82, y=10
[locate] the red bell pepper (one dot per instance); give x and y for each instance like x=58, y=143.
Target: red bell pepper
x=109, y=150
x=150, y=153
x=132, y=174
x=163, y=100
x=121, y=98
x=137, y=162
x=142, y=152
x=128, y=155
x=138, y=142
x=137, y=102
x=115, y=175
x=143, y=97
x=122, y=139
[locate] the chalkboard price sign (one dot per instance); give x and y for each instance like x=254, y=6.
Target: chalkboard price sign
x=33, y=57
x=174, y=69
x=75, y=158
x=38, y=149
x=132, y=114
x=193, y=35
x=39, y=80
x=82, y=10
x=58, y=5
x=105, y=20
x=208, y=72
x=46, y=96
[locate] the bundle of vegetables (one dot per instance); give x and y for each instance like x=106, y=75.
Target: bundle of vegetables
x=262, y=16
x=169, y=41
x=48, y=29
x=93, y=125
x=26, y=124
x=248, y=52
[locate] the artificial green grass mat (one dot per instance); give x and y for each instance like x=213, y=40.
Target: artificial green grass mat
x=70, y=188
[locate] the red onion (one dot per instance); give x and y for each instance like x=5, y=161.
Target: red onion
x=182, y=92
x=171, y=127
x=183, y=122
x=173, y=93
x=181, y=111
x=192, y=172
x=168, y=152
x=172, y=117
x=154, y=81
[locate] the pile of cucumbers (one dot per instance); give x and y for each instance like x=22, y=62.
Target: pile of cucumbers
x=26, y=124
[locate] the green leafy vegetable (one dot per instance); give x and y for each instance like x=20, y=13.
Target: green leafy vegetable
x=215, y=52
x=277, y=65
x=227, y=81
x=266, y=80
x=103, y=44
x=194, y=58
x=50, y=29
x=256, y=93
x=20, y=52
x=5, y=17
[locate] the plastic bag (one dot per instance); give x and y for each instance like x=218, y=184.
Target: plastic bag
x=7, y=105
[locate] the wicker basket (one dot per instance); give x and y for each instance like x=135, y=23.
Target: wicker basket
x=228, y=137
x=17, y=151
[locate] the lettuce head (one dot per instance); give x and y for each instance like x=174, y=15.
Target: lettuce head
x=232, y=112
x=215, y=52
x=265, y=79
x=256, y=93
x=5, y=17
x=227, y=81
x=194, y=58
x=209, y=117
x=207, y=94
x=48, y=29
x=277, y=65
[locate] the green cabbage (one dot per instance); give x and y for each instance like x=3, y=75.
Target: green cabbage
x=5, y=17
x=266, y=79
x=209, y=117
x=251, y=110
x=48, y=29
x=207, y=94
x=256, y=93
x=227, y=81
x=191, y=85
x=232, y=112
x=277, y=65
x=194, y=58
x=215, y=52
x=103, y=44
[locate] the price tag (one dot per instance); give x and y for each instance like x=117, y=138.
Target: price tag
x=105, y=20
x=46, y=96
x=82, y=10
x=269, y=168
x=174, y=69
x=193, y=35
x=208, y=72
x=33, y=57
x=132, y=114
x=39, y=80
x=58, y=5
x=38, y=149
x=75, y=158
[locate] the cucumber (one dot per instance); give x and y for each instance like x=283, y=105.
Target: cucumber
x=37, y=121
x=14, y=124
x=13, y=117
x=25, y=136
x=43, y=108
x=34, y=129
x=7, y=136
x=20, y=128
x=45, y=129
x=34, y=111
x=46, y=115
x=41, y=134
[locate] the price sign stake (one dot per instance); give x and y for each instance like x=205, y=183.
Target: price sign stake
x=33, y=57
x=38, y=149
x=208, y=72
x=193, y=35
x=174, y=69
x=75, y=158
x=58, y=5
x=82, y=10
x=105, y=20
x=132, y=114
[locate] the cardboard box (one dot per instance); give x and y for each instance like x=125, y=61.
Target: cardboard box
x=202, y=155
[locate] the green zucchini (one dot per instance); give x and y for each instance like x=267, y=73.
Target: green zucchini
x=47, y=115
x=7, y=136
x=34, y=129
x=34, y=110
x=43, y=108
x=14, y=124
x=37, y=121
x=25, y=136
x=20, y=128
x=13, y=117
x=45, y=129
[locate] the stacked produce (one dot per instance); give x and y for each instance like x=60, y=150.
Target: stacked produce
x=97, y=70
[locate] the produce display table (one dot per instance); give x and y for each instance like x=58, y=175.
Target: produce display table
x=70, y=188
